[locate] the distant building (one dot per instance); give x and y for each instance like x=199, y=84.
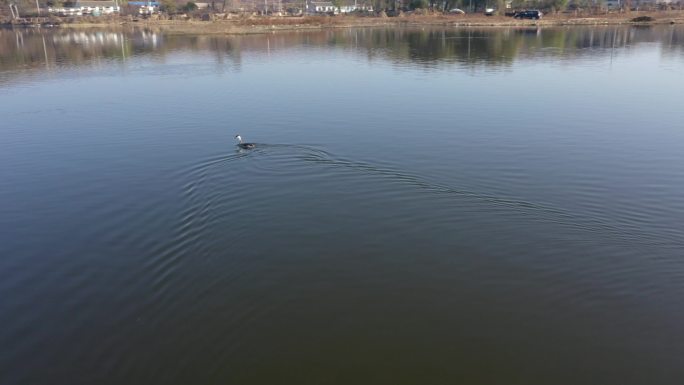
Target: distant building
x=641, y=3
x=616, y=4
x=313, y=7
x=102, y=4
x=356, y=7
x=145, y=7
x=94, y=8
x=320, y=7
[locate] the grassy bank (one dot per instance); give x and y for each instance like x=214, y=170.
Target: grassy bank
x=258, y=24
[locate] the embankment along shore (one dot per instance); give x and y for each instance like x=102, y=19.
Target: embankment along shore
x=247, y=24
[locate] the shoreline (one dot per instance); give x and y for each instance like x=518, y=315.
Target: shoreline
x=259, y=24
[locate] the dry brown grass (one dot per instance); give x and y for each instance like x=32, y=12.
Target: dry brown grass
x=257, y=24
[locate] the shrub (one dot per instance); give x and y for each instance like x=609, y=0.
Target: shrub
x=642, y=19
x=189, y=7
x=415, y=4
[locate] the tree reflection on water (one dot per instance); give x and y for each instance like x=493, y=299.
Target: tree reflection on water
x=22, y=50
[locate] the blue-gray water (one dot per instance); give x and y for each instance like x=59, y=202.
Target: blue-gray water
x=424, y=206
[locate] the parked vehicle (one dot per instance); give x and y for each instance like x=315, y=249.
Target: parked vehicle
x=456, y=11
x=490, y=11
x=528, y=15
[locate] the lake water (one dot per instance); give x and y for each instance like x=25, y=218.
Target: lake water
x=424, y=206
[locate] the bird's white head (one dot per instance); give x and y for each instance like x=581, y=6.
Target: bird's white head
x=239, y=138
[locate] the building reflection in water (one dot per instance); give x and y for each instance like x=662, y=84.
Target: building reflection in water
x=428, y=48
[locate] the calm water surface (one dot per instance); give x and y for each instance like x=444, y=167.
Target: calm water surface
x=424, y=206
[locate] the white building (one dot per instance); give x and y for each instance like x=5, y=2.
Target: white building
x=313, y=7
x=356, y=7
x=321, y=7
x=616, y=4
x=88, y=8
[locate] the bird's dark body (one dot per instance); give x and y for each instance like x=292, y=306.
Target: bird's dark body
x=243, y=145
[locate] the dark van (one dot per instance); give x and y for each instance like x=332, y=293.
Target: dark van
x=528, y=15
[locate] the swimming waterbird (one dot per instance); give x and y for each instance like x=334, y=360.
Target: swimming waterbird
x=241, y=144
